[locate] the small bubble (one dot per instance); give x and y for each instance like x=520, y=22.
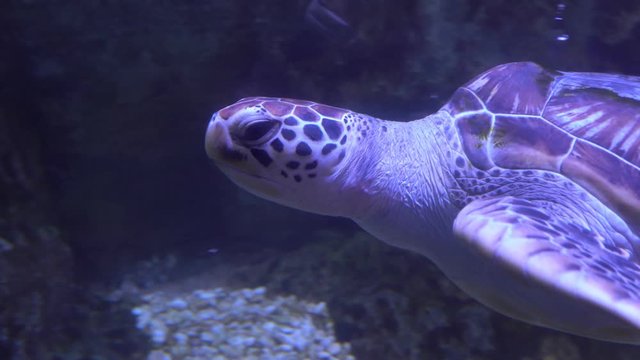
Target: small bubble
x=562, y=37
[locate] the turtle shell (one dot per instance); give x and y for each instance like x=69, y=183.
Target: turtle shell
x=585, y=126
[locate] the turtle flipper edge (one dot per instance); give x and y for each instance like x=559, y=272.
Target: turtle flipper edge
x=543, y=247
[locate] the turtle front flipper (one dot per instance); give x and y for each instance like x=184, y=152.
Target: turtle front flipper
x=563, y=272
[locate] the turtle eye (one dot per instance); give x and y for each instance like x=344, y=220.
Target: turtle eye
x=258, y=132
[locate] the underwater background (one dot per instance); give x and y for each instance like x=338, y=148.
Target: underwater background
x=120, y=240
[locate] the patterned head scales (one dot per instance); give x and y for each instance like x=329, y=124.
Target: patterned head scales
x=284, y=150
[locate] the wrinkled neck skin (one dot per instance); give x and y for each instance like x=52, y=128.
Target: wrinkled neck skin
x=399, y=180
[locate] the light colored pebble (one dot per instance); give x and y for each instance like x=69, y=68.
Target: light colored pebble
x=158, y=332
x=208, y=314
x=317, y=309
x=334, y=349
x=178, y=304
x=180, y=338
x=204, y=295
x=158, y=355
x=207, y=337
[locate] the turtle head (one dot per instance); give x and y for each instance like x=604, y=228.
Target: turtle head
x=288, y=151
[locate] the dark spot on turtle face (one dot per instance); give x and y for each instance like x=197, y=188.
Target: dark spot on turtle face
x=341, y=156
x=288, y=134
x=231, y=155
x=343, y=140
x=332, y=128
x=313, y=132
x=303, y=149
x=528, y=173
x=364, y=133
x=276, y=144
x=495, y=173
x=384, y=128
x=456, y=173
x=312, y=175
x=459, y=162
x=328, y=148
x=284, y=174
x=348, y=127
x=292, y=165
x=291, y=121
x=311, y=165
x=480, y=174
x=297, y=178
x=262, y=157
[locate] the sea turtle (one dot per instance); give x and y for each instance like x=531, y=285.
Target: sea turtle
x=524, y=189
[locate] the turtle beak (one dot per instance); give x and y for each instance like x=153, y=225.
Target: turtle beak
x=218, y=144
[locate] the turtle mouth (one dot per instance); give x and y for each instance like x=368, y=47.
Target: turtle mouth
x=257, y=184
x=233, y=170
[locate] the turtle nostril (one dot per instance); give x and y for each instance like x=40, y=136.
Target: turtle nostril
x=258, y=131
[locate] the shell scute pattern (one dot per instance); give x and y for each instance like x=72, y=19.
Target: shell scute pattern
x=474, y=131
x=539, y=145
x=518, y=88
x=583, y=126
x=598, y=115
x=463, y=101
x=604, y=175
